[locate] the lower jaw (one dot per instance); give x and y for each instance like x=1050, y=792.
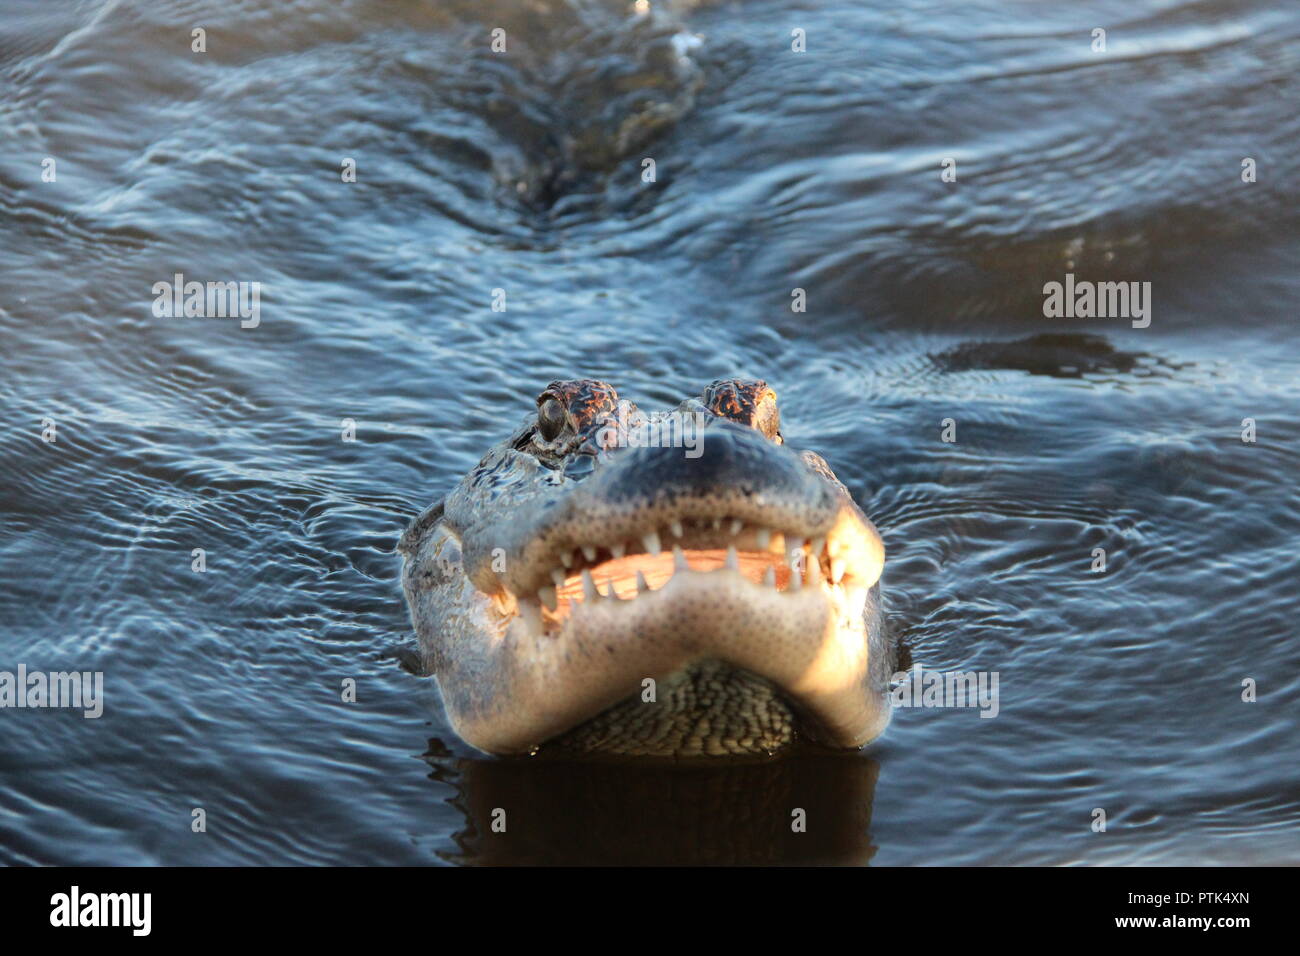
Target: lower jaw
x=585, y=689
x=708, y=709
x=819, y=650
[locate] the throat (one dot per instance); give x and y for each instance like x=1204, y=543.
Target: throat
x=707, y=709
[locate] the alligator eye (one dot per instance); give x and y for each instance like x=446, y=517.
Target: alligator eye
x=550, y=420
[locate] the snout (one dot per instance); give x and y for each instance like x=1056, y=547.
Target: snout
x=642, y=498
x=723, y=467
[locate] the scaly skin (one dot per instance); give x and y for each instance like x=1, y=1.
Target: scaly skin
x=582, y=590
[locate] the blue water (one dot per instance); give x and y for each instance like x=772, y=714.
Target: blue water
x=522, y=171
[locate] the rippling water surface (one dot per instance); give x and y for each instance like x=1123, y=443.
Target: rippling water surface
x=775, y=170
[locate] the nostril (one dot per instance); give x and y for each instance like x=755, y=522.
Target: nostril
x=736, y=467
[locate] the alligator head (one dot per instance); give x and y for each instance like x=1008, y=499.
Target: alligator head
x=677, y=584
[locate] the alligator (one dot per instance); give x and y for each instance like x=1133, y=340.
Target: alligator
x=677, y=584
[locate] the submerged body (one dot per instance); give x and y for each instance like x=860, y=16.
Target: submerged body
x=671, y=585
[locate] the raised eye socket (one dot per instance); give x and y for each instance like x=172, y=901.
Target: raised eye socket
x=550, y=420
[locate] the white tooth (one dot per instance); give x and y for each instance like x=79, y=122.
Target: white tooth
x=769, y=577
x=733, y=559
x=618, y=550
x=567, y=558
x=764, y=538
x=796, y=580
x=679, y=559
x=793, y=553
x=589, y=552
x=837, y=569
x=641, y=585
x=547, y=597
x=676, y=528
x=817, y=546
x=651, y=543
x=717, y=524
x=589, y=592
x=736, y=525
x=610, y=591
x=558, y=577
x=814, y=569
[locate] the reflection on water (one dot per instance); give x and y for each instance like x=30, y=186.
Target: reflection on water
x=1061, y=355
x=800, y=810
x=524, y=172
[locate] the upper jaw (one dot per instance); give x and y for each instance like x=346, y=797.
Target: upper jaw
x=648, y=498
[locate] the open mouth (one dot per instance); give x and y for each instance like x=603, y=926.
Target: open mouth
x=840, y=565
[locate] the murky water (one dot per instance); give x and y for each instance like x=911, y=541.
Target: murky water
x=775, y=170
